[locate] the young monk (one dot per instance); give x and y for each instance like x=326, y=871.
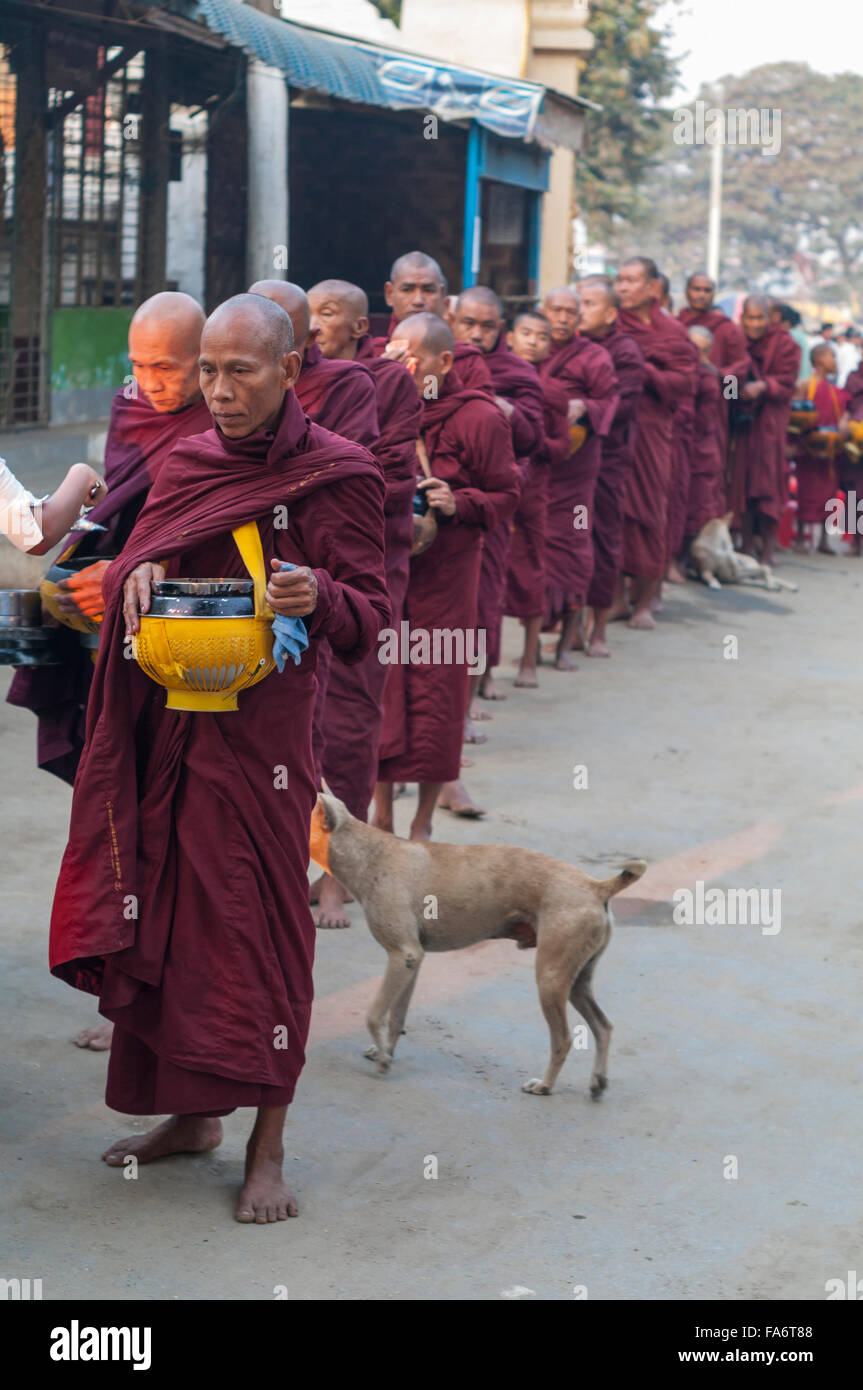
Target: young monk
x=339, y=394
x=182, y=897
x=670, y=374
x=473, y=489
x=479, y=320
x=707, y=478
x=599, y=320
x=818, y=477
x=586, y=372
x=353, y=705
x=759, y=468
x=530, y=339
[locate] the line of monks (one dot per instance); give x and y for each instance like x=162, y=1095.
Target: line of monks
x=571, y=455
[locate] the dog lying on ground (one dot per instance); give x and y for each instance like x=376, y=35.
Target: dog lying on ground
x=713, y=556
x=421, y=897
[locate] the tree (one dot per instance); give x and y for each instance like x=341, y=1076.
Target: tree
x=800, y=208
x=629, y=73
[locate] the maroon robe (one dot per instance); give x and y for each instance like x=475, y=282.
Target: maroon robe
x=854, y=390
x=527, y=578
x=618, y=449
x=707, y=480
x=729, y=353
x=586, y=372
x=353, y=707
x=516, y=381
x=758, y=464
x=681, y=457
x=182, y=899
x=139, y=441
x=818, y=478
x=469, y=446
x=670, y=370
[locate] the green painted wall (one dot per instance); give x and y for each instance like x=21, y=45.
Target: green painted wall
x=88, y=348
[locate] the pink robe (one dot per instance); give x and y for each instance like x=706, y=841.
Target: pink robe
x=470, y=447
x=586, y=372
x=670, y=371
x=182, y=899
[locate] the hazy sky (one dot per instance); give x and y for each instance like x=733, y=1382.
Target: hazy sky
x=732, y=36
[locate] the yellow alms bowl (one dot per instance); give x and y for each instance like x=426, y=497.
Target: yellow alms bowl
x=204, y=663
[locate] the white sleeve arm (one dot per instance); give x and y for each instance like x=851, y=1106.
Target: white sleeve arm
x=17, y=521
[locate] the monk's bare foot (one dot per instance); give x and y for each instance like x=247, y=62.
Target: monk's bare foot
x=619, y=612
x=564, y=662
x=97, y=1037
x=331, y=916
x=264, y=1196
x=489, y=691
x=181, y=1134
x=642, y=620
x=472, y=735
x=599, y=648
x=673, y=574
x=455, y=797
x=476, y=714
x=526, y=678
x=315, y=889
x=420, y=831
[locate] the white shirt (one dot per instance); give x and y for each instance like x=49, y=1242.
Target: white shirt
x=847, y=361
x=17, y=521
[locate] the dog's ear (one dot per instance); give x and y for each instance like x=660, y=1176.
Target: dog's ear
x=327, y=805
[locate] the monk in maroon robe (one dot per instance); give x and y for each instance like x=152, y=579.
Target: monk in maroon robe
x=353, y=705
x=417, y=285
x=683, y=435
x=599, y=320
x=850, y=473
x=473, y=488
x=586, y=372
x=707, y=479
x=530, y=339
x=340, y=395
x=729, y=353
x=149, y=415
x=182, y=896
x=759, y=424
x=670, y=371
x=818, y=476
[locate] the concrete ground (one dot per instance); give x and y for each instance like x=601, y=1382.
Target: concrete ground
x=730, y=1044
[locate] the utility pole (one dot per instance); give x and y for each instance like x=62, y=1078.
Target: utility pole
x=714, y=224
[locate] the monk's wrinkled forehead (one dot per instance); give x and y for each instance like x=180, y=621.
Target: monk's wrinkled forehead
x=561, y=298
x=169, y=323
x=248, y=326
x=700, y=281
x=416, y=267
x=598, y=287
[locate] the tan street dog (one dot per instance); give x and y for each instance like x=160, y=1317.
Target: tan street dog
x=421, y=897
x=713, y=555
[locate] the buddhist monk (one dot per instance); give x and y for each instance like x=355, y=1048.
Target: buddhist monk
x=418, y=285
x=586, y=372
x=759, y=425
x=473, y=488
x=729, y=352
x=479, y=320
x=670, y=372
x=182, y=895
x=530, y=339
x=818, y=474
x=353, y=705
x=707, y=480
x=851, y=429
x=599, y=320
x=149, y=415
x=339, y=394
x=683, y=436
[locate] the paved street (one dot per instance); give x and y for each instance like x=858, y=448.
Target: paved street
x=729, y=1043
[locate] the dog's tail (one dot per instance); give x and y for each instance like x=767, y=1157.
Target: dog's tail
x=630, y=872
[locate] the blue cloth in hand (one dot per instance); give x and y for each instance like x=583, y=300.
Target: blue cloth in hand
x=290, y=636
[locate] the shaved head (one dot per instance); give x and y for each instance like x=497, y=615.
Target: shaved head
x=480, y=294
x=292, y=299
x=530, y=336
x=429, y=342
x=164, y=338
x=416, y=285
x=702, y=337
x=478, y=318
x=351, y=296
x=821, y=352
x=757, y=301
x=755, y=317
x=428, y=331
x=701, y=275
x=649, y=269
x=602, y=284
x=340, y=318
x=561, y=308
x=599, y=306
x=247, y=364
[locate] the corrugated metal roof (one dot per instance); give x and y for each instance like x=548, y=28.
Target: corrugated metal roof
x=374, y=76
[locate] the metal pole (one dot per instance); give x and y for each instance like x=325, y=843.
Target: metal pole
x=714, y=227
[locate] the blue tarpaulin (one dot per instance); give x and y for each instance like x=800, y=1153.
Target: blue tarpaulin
x=373, y=76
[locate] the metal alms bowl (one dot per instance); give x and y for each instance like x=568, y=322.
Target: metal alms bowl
x=23, y=639
x=202, y=598
x=20, y=608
